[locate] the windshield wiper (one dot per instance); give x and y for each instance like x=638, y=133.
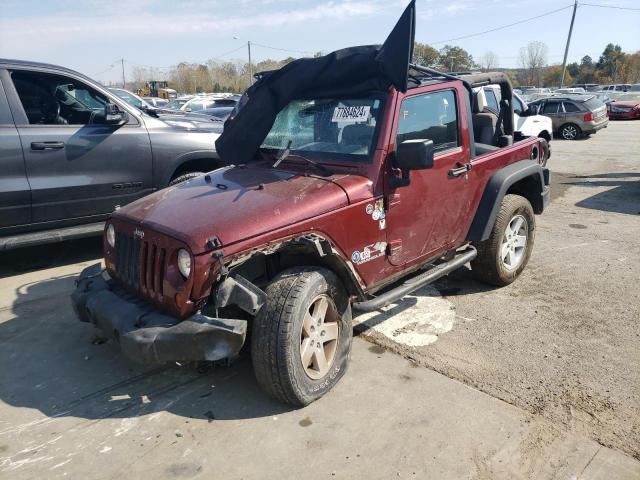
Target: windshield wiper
x=286, y=153
x=282, y=154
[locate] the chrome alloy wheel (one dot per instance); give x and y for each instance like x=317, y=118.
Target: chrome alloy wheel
x=514, y=243
x=569, y=132
x=319, y=337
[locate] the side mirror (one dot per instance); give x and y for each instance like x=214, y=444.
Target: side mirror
x=114, y=116
x=412, y=155
x=415, y=155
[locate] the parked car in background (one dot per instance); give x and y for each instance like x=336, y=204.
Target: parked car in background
x=72, y=151
x=177, y=103
x=156, y=101
x=532, y=94
x=220, y=113
x=574, y=116
x=624, y=109
x=569, y=91
x=130, y=97
x=623, y=87
x=589, y=87
x=526, y=121
x=201, y=102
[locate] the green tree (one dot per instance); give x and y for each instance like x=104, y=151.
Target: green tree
x=425, y=55
x=610, y=60
x=455, y=59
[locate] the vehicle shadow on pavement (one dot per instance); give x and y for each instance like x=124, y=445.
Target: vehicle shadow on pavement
x=22, y=260
x=53, y=363
x=622, y=197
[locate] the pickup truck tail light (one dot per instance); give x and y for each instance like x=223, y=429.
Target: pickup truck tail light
x=588, y=117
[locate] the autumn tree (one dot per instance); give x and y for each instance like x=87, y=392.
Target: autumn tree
x=488, y=61
x=533, y=59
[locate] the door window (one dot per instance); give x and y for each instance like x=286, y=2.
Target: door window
x=570, y=107
x=492, y=101
x=551, y=108
x=58, y=100
x=431, y=116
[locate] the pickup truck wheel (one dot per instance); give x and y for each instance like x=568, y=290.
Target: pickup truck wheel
x=184, y=177
x=504, y=255
x=570, y=131
x=301, y=338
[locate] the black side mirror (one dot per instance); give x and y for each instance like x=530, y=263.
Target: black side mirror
x=412, y=155
x=114, y=116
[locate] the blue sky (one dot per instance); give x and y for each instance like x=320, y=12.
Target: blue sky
x=90, y=35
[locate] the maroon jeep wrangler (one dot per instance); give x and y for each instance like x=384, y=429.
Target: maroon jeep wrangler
x=350, y=202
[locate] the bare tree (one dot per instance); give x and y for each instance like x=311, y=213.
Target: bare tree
x=488, y=61
x=533, y=59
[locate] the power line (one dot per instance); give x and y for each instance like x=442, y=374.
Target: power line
x=608, y=6
x=501, y=27
x=282, y=49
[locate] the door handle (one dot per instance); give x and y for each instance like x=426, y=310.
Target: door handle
x=456, y=172
x=47, y=145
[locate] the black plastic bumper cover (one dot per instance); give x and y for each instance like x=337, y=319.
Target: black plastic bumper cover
x=144, y=334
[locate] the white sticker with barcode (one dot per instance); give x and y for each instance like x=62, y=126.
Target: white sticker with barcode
x=351, y=114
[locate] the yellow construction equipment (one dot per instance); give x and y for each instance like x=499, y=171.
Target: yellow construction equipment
x=157, y=88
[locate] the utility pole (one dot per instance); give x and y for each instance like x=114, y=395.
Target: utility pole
x=566, y=49
x=123, y=82
x=250, y=69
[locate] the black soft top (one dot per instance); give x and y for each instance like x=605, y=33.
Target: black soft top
x=350, y=72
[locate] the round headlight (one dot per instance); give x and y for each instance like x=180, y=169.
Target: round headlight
x=111, y=235
x=184, y=263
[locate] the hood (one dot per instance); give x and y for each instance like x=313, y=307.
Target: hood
x=191, y=122
x=236, y=203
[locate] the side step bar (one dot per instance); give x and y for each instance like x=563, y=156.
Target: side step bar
x=416, y=282
x=50, y=236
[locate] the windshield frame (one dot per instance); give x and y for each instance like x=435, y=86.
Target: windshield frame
x=333, y=158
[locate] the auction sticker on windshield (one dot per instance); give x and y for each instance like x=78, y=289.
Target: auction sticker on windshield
x=351, y=114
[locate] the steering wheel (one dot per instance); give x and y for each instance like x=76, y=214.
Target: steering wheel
x=50, y=109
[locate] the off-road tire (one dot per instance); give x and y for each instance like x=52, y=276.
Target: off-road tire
x=277, y=330
x=566, y=131
x=488, y=266
x=184, y=177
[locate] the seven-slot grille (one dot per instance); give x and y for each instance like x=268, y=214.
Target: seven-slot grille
x=140, y=264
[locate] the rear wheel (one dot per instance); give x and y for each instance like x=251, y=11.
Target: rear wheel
x=301, y=337
x=504, y=255
x=570, y=131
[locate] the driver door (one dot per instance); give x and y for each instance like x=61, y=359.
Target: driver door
x=431, y=214
x=76, y=166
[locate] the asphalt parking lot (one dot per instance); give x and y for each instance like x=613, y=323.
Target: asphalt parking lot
x=536, y=380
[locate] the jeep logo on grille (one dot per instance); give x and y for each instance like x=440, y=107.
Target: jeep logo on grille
x=138, y=233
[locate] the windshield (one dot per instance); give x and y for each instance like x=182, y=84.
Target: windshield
x=343, y=127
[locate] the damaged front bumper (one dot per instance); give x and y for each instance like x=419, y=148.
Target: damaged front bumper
x=144, y=334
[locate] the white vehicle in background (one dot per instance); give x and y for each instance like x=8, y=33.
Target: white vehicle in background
x=569, y=91
x=524, y=121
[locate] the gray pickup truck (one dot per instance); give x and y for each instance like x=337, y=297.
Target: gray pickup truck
x=71, y=152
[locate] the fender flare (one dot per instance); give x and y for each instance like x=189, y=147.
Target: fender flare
x=498, y=186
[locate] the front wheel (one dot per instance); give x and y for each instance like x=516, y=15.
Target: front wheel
x=570, y=131
x=301, y=338
x=502, y=257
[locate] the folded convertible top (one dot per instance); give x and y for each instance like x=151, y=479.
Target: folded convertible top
x=350, y=72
